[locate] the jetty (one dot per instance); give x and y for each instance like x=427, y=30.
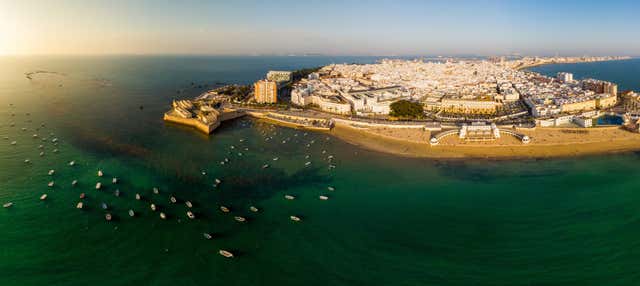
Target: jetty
x=203, y=114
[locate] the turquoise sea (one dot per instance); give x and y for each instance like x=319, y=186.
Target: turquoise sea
x=389, y=221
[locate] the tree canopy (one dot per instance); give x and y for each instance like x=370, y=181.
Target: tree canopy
x=406, y=108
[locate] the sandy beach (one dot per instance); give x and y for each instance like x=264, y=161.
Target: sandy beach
x=546, y=142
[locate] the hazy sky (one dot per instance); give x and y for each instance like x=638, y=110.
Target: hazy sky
x=327, y=27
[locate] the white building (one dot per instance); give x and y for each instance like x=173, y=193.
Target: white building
x=564, y=77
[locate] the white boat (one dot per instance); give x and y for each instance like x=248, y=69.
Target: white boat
x=225, y=253
x=116, y=193
x=163, y=216
x=131, y=213
x=173, y=199
x=74, y=183
x=72, y=163
x=189, y=204
x=41, y=154
x=295, y=218
x=27, y=161
x=191, y=215
x=104, y=206
x=51, y=172
x=289, y=197
x=239, y=219
x=155, y=190
x=207, y=236
x=55, y=150
x=40, y=147
x=153, y=207
x=307, y=164
x=79, y=205
x=218, y=181
x=43, y=197
x=7, y=205
x=275, y=159
x=265, y=166
x=50, y=184
x=108, y=217
x=138, y=197
x=330, y=188
x=13, y=142
x=98, y=185
x=82, y=195
x=114, y=180
x=324, y=198
x=224, y=209
x=100, y=173
x=253, y=209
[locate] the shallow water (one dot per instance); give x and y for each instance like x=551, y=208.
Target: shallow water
x=390, y=220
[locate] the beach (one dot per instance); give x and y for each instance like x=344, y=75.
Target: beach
x=546, y=143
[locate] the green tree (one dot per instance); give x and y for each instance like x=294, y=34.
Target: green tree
x=407, y=109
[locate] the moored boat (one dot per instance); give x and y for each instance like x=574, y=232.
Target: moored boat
x=207, y=236
x=138, y=197
x=173, y=199
x=72, y=163
x=324, y=198
x=43, y=197
x=79, y=205
x=116, y=193
x=295, y=218
x=114, y=180
x=189, y=204
x=100, y=173
x=153, y=207
x=104, y=206
x=289, y=197
x=224, y=209
x=191, y=215
x=240, y=219
x=82, y=195
x=253, y=209
x=108, y=216
x=265, y=166
x=330, y=188
x=74, y=183
x=163, y=216
x=50, y=184
x=131, y=213
x=225, y=253
x=51, y=172
x=98, y=185
x=7, y=205
x=155, y=190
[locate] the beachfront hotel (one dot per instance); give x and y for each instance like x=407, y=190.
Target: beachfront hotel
x=265, y=91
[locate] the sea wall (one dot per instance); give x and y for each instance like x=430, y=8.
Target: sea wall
x=191, y=122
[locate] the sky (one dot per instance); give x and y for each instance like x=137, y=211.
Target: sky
x=328, y=27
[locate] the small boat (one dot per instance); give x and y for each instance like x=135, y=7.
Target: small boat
x=55, y=150
x=295, y=218
x=307, y=164
x=189, y=204
x=289, y=197
x=163, y=216
x=330, y=188
x=54, y=140
x=27, y=161
x=79, y=205
x=173, y=199
x=131, y=213
x=108, y=217
x=116, y=193
x=98, y=185
x=253, y=209
x=100, y=173
x=265, y=166
x=13, y=142
x=239, y=219
x=207, y=236
x=82, y=195
x=218, y=181
x=225, y=253
x=41, y=154
x=40, y=147
x=50, y=184
x=153, y=207
x=155, y=190
x=72, y=163
x=275, y=159
x=74, y=183
x=191, y=215
x=324, y=198
x=138, y=197
x=51, y=172
x=43, y=197
x=114, y=180
x=224, y=209
x=104, y=206
x=7, y=205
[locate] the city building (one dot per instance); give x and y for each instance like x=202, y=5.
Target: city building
x=564, y=77
x=265, y=91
